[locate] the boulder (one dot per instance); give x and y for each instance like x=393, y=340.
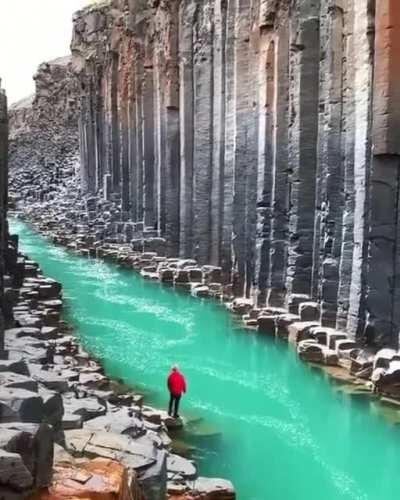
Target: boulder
x=346, y=348
x=383, y=358
x=214, y=489
x=20, y=405
x=13, y=472
x=309, y=311
x=333, y=337
x=282, y=323
x=180, y=466
x=300, y=330
x=387, y=381
x=241, y=306
x=266, y=324
x=53, y=408
x=310, y=350
x=201, y=291
x=34, y=443
x=294, y=300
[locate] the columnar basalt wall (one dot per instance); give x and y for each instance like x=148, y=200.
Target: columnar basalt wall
x=256, y=135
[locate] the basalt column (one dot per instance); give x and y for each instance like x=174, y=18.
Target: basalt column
x=303, y=134
x=348, y=96
x=266, y=154
x=229, y=142
x=3, y=198
x=243, y=140
x=172, y=145
x=363, y=81
x=187, y=17
x=280, y=186
x=219, y=83
x=383, y=282
x=203, y=138
x=328, y=227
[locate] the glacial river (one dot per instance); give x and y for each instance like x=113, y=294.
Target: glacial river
x=277, y=428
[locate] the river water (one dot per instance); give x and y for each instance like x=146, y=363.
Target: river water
x=277, y=428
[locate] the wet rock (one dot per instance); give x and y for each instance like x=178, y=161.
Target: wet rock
x=309, y=350
x=333, y=337
x=241, y=306
x=300, y=330
x=283, y=322
x=214, y=489
x=181, y=466
x=346, y=348
x=266, y=324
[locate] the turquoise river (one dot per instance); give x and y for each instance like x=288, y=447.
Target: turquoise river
x=277, y=428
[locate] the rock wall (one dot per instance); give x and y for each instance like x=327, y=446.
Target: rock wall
x=258, y=135
x=3, y=202
x=255, y=135
x=44, y=144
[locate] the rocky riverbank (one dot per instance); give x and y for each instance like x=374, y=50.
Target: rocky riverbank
x=59, y=411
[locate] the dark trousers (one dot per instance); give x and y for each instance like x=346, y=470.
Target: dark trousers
x=174, y=405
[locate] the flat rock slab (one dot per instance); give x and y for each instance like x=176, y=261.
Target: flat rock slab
x=17, y=381
x=34, y=443
x=99, y=478
x=215, y=489
x=87, y=408
x=181, y=466
x=49, y=378
x=85, y=442
x=119, y=422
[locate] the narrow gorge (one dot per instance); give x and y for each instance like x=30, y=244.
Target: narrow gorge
x=255, y=136
x=243, y=151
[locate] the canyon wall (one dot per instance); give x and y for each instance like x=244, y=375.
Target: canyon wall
x=256, y=135
x=44, y=144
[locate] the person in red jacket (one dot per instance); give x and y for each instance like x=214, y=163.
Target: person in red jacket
x=177, y=387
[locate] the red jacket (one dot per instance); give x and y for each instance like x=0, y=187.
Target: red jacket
x=176, y=384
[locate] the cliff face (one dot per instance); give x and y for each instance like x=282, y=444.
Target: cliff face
x=256, y=135
x=44, y=145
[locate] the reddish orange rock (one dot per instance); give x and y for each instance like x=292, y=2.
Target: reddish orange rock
x=99, y=479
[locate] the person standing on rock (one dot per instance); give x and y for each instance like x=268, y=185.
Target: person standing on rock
x=176, y=386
